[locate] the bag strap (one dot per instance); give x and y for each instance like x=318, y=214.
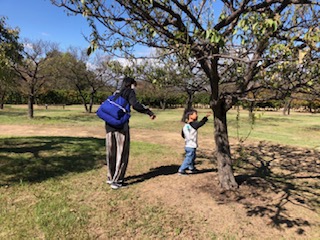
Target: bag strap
x=117, y=95
x=118, y=105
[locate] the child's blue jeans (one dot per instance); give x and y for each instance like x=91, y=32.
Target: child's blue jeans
x=188, y=162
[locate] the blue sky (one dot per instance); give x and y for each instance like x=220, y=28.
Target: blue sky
x=39, y=19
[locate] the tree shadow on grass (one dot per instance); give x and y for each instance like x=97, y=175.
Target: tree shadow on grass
x=277, y=182
x=35, y=159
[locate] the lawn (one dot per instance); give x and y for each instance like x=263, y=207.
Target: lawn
x=52, y=182
x=297, y=129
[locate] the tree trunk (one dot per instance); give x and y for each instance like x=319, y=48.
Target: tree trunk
x=251, y=109
x=90, y=107
x=92, y=95
x=91, y=102
x=287, y=106
x=3, y=94
x=83, y=98
x=163, y=104
x=2, y=101
x=188, y=105
x=84, y=102
x=30, y=105
x=226, y=178
x=220, y=105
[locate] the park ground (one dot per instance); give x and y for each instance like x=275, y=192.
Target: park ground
x=53, y=184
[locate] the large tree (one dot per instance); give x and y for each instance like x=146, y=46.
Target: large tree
x=245, y=35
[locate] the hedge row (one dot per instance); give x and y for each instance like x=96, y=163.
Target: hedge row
x=68, y=97
x=55, y=97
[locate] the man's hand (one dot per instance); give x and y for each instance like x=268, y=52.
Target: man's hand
x=153, y=117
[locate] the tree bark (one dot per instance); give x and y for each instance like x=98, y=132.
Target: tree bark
x=83, y=98
x=30, y=105
x=226, y=178
x=188, y=105
x=2, y=101
x=91, y=101
x=287, y=107
x=251, y=109
x=163, y=104
x=220, y=105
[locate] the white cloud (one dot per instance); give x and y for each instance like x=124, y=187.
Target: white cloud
x=145, y=51
x=28, y=45
x=45, y=34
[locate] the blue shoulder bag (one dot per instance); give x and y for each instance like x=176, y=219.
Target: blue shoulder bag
x=115, y=111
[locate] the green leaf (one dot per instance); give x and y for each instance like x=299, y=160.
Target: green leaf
x=214, y=38
x=208, y=32
x=275, y=26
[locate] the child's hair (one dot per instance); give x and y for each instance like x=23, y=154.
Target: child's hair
x=190, y=112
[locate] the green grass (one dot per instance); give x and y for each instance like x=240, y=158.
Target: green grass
x=297, y=129
x=71, y=115
x=53, y=187
x=70, y=196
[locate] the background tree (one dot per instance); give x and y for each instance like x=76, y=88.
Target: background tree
x=178, y=74
x=75, y=73
x=193, y=79
x=116, y=71
x=9, y=53
x=32, y=71
x=192, y=29
x=162, y=77
x=75, y=70
x=99, y=76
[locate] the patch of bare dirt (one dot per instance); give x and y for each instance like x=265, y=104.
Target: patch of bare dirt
x=278, y=195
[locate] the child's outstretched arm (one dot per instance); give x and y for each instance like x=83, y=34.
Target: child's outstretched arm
x=197, y=125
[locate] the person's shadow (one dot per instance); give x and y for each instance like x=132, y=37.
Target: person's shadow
x=159, y=171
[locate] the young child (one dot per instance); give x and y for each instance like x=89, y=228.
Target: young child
x=190, y=134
